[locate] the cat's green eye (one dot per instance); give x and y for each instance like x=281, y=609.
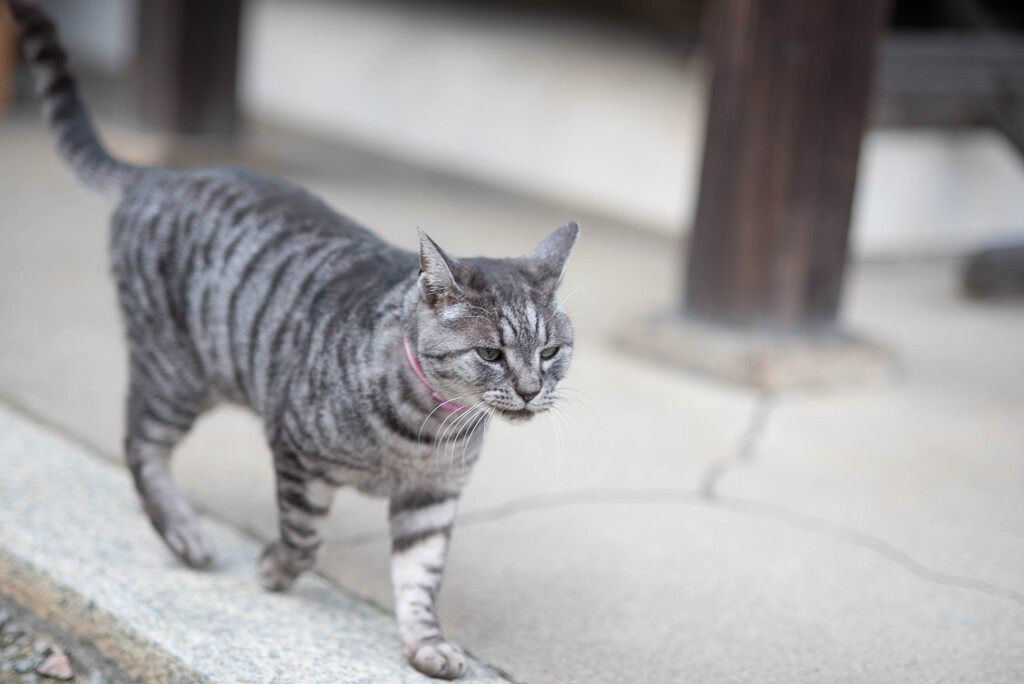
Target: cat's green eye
x=548, y=352
x=488, y=353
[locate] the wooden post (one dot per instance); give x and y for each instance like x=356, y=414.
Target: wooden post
x=789, y=94
x=187, y=63
x=8, y=57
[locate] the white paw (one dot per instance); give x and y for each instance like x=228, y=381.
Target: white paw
x=438, y=659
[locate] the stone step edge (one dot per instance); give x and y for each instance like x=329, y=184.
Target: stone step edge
x=75, y=549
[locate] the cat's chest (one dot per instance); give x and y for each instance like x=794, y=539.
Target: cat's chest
x=408, y=467
x=380, y=460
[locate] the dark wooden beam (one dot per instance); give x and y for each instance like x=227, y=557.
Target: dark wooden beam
x=8, y=57
x=790, y=83
x=187, y=64
x=949, y=79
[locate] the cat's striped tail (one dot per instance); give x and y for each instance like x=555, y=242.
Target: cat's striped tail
x=62, y=109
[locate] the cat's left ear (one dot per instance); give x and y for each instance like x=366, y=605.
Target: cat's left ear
x=547, y=262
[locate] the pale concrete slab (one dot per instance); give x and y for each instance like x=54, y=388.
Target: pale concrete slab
x=879, y=535
x=939, y=477
x=76, y=548
x=670, y=588
x=932, y=463
x=943, y=342
x=57, y=301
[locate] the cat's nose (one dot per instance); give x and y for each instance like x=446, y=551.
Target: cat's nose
x=528, y=394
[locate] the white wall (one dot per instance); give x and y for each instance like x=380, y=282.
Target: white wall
x=99, y=33
x=587, y=117
x=566, y=112
x=932, y=192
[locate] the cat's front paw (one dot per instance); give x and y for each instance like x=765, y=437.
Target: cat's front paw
x=189, y=543
x=275, y=574
x=441, y=659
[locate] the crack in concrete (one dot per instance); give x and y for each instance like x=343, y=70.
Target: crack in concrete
x=694, y=497
x=745, y=451
x=705, y=496
x=102, y=455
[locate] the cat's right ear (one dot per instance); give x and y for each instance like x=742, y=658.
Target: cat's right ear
x=437, y=284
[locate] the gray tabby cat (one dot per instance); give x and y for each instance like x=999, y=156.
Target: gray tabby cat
x=359, y=357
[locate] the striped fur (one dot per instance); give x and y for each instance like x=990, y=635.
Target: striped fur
x=237, y=287
x=63, y=111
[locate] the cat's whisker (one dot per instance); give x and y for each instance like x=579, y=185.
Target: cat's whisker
x=563, y=300
x=419, y=434
x=559, y=446
x=439, y=437
x=453, y=436
x=448, y=432
x=573, y=427
x=572, y=401
x=578, y=434
x=576, y=390
x=474, y=423
x=485, y=416
x=573, y=423
x=571, y=420
x=582, y=400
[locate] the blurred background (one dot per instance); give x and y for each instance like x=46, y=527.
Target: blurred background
x=813, y=210
x=598, y=106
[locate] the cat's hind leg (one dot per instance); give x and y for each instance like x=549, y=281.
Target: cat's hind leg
x=159, y=416
x=303, y=502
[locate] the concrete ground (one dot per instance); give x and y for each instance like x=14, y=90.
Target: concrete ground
x=75, y=552
x=669, y=527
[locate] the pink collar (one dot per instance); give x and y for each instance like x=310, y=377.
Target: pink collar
x=418, y=370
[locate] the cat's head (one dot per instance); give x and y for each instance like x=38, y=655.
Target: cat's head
x=491, y=332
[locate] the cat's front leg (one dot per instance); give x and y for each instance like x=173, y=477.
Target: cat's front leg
x=420, y=526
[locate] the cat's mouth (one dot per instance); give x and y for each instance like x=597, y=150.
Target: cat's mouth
x=516, y=415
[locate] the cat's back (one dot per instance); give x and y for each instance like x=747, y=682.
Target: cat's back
x=231, y=264
x=227, y=197
x=227, y=222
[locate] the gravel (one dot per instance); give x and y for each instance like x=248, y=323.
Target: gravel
x=33, y=651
